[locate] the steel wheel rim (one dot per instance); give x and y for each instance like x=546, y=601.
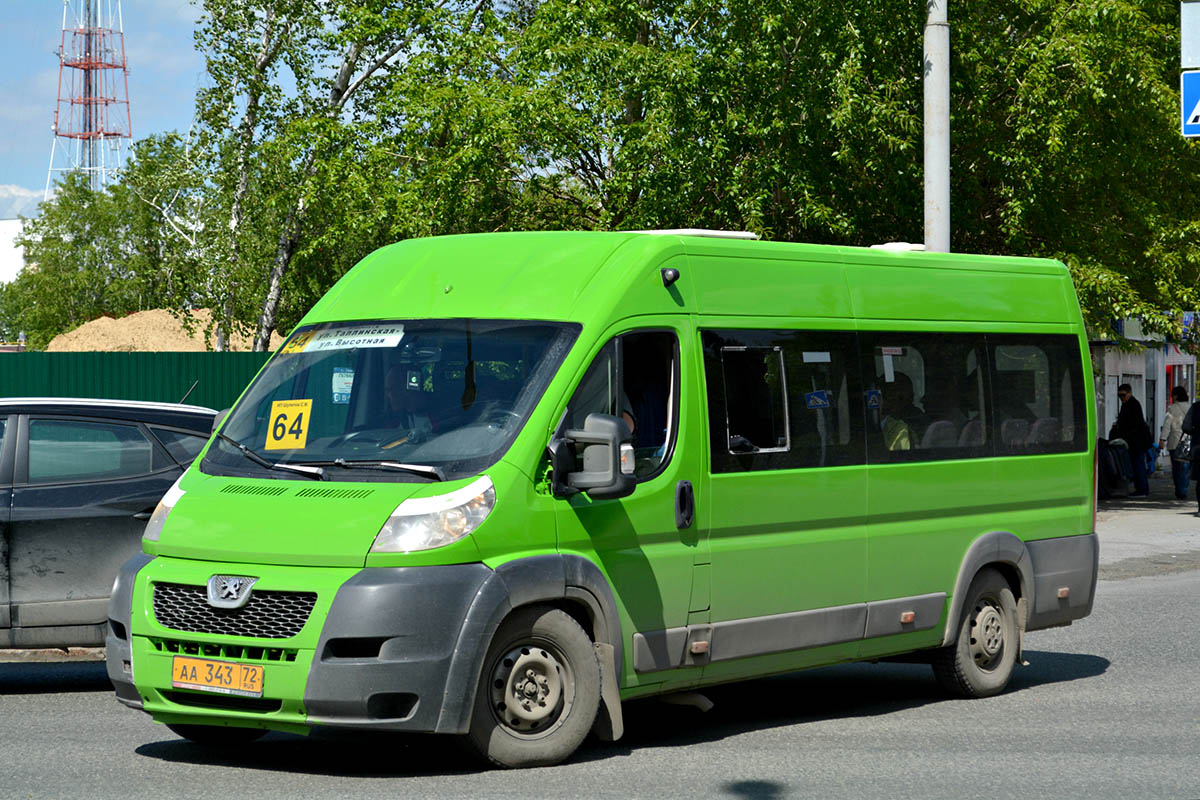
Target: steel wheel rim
x=531, y=689
x=987, y=635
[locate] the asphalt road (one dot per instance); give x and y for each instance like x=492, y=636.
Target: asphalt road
x=1109, y=707
x=1106, y=708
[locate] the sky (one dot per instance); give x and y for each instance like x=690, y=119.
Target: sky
x=164, y=71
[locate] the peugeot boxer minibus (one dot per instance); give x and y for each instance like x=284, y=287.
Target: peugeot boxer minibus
x=494, y=485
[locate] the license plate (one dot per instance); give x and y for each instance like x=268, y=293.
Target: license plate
x=224, y=677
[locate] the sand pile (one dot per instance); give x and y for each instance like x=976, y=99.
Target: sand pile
x=155, y=330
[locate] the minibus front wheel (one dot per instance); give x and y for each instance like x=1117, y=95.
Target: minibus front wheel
x=981, y=660
x=539, y=690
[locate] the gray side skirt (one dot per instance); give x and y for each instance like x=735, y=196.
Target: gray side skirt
x=778, y=633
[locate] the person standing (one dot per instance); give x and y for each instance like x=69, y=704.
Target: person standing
x=1172, y=430
x=1188, y=426
x=1131, y=426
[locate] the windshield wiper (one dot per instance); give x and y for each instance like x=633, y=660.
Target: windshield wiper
x=316, y=473
x=416, y=469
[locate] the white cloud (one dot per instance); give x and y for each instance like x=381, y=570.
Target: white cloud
x=18, y=201
x=12, y=258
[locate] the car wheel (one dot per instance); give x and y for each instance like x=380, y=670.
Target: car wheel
x=981, y=660
x=539, y=690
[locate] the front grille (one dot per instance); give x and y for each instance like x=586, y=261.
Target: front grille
x=267, y=615
x=224, y=650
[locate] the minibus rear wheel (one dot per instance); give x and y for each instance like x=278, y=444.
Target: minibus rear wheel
x=981, y=661
x=539, y=691
x=217, y=735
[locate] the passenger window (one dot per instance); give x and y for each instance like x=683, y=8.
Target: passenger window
x=925, y=396
x=1038, y=394
x=183, y=447
x=67, y=450
x=634, y=377
x=782, y=399
x=755, y=384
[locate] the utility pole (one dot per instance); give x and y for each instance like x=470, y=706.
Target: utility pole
x=937, y=127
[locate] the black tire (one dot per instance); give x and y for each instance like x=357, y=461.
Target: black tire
x=218, y=735
x=981, y=660
x=539, y=691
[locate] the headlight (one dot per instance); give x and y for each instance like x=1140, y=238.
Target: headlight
x=155, y=525
x=424, y=523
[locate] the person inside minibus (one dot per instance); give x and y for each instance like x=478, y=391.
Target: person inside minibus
x=405, y=406
x=897, y=434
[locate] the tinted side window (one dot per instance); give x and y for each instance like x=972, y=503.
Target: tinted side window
x=925, y=396
x=782, y=399
x=1038, y=395
x=67, y=450
x=635, y=377
x=183, y=447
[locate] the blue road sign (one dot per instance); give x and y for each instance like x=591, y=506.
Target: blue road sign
x=817, y=399
x=1189, y=102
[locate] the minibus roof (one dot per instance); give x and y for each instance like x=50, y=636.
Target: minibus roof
x=584, y=275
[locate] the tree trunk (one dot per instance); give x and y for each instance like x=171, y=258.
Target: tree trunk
x=342, y=90
x=283, y=257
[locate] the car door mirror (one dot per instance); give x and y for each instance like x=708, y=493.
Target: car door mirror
x=607, y=452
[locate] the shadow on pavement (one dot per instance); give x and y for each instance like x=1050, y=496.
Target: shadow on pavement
x=754, y=790
x=45, y=678
x=1049, y=667
x=330, y=753
x=1165, y=502
x=844, y=691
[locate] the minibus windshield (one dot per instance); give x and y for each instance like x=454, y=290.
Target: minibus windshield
x=390, y=400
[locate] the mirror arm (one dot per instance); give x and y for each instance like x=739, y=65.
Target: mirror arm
x=561, y=452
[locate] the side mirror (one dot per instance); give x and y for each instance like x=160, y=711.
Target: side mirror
x=218, y=419
x=607, y=459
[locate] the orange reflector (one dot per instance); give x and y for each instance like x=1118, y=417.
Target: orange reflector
x=699, y=648
x=1064, y=593
x=907, y=616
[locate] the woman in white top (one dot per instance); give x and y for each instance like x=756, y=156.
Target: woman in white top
x=1169, y=438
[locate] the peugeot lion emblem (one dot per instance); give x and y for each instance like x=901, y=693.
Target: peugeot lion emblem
x=229, y=591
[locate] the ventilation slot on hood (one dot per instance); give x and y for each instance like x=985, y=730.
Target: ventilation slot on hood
x=249, y=488
x=337, y=494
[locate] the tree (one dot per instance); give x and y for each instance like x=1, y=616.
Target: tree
x=88, y=254
x=330, y=127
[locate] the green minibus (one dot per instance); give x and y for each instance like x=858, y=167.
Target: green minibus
x=494, y=485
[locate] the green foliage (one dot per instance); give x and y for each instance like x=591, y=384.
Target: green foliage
x=330, y=127
x=88, y=254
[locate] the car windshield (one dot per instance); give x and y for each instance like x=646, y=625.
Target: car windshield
x=398, y=400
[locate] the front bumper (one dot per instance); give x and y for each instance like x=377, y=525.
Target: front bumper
x=375, y=652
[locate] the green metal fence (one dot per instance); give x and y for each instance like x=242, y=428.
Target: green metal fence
x=219, y=377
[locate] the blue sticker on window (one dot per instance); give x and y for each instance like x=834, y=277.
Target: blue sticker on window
x=343, y=383
x=817, y=399
x=874, y=398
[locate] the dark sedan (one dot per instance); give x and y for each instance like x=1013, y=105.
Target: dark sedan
x=78, y=480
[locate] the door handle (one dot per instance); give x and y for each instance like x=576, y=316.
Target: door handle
x=685, y=505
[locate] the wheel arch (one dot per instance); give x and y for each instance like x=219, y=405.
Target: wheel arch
x=1008, y=555
x=568, y=582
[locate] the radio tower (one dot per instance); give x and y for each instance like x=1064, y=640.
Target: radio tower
x=91, y=119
